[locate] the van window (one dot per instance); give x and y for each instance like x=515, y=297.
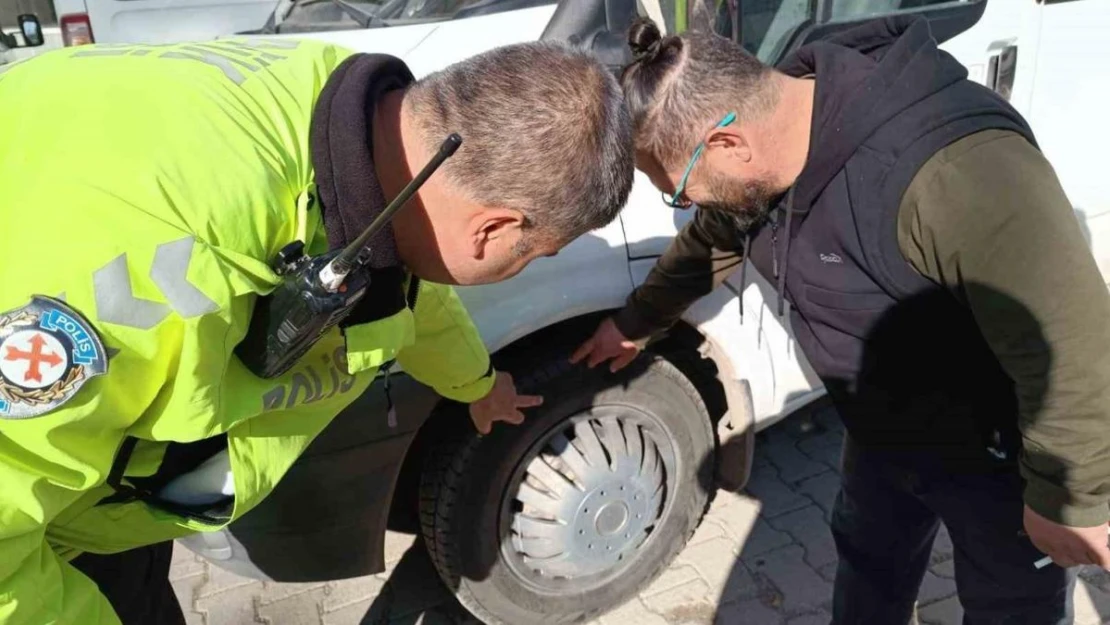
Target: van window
x=325, y=15
x=714, y=15
x=843, y=10
x=766, y=26
x=10, y=10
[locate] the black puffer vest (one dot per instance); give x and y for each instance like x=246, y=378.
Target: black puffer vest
x=901, y=357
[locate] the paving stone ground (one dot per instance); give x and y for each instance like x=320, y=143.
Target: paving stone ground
x=765, y=557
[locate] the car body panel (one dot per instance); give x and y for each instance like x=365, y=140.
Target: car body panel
x=588, y=275
x=458, y=36
x=1069, y=70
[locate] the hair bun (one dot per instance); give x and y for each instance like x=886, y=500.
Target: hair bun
x=645, y=40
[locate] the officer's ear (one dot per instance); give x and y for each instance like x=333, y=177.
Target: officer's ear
x=493, y=228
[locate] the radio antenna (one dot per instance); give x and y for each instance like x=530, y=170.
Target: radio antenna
x=333, y=274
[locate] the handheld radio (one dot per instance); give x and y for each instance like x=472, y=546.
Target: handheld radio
x=318, y=292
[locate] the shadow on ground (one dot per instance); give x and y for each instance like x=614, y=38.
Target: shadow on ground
x=414, y=595
x=938, y=399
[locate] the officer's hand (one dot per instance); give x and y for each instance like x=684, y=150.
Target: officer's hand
x=501, y=404
x=608, y=343
x=1068, y=546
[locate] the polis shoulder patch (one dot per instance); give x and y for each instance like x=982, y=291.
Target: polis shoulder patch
x=47, y=352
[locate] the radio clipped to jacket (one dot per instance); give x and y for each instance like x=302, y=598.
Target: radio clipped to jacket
x=318, y=292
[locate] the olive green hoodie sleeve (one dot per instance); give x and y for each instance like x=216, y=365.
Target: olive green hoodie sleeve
x=697, y=261
x=988, y=218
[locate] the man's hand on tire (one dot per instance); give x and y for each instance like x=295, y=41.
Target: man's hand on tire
x=608, y=343
x=1068, y=546
x=501, y=404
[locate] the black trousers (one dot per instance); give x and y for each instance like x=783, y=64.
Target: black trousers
x=884, y=521
x=136, y=583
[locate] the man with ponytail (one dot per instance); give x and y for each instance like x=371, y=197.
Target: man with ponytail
x=938, y=281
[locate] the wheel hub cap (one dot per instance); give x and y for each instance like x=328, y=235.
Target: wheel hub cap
x=611, y=518
x=589, y=499
x=609, y=521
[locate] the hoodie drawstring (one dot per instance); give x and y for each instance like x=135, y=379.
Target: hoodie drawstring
x=785, y=252
x=744, y=273
x=780, y=276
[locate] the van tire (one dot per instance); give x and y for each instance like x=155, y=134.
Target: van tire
x=465, y=493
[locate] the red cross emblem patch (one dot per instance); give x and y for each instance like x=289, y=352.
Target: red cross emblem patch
x=47, y=352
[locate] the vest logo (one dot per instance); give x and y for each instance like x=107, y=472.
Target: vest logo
x=307, y=386
x=831, y=258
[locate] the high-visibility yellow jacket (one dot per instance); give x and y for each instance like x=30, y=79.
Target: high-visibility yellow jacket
x=145, y=189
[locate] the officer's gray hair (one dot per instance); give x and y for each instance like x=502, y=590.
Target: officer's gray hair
x=545, y=131
x=679, y=86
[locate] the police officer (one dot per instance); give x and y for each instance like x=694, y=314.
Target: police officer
x=938, y=282
x=146, y=190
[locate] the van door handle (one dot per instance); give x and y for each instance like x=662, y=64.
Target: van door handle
x=1001, y=70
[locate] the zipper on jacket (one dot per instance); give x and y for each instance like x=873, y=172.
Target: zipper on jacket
x=775, y=244
x=390, y=413
x=387, y=368
x=413, y=292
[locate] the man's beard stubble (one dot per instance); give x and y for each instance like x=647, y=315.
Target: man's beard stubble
x=748, y=202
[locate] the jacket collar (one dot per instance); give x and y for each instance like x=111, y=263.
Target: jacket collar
x=341, y=144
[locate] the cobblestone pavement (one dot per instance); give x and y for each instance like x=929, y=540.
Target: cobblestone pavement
x=762, y=558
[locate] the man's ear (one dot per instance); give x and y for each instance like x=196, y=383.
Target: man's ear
x=730, y=142
x=494, y=226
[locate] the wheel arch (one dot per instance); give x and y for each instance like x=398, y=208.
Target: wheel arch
x=727, y=398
